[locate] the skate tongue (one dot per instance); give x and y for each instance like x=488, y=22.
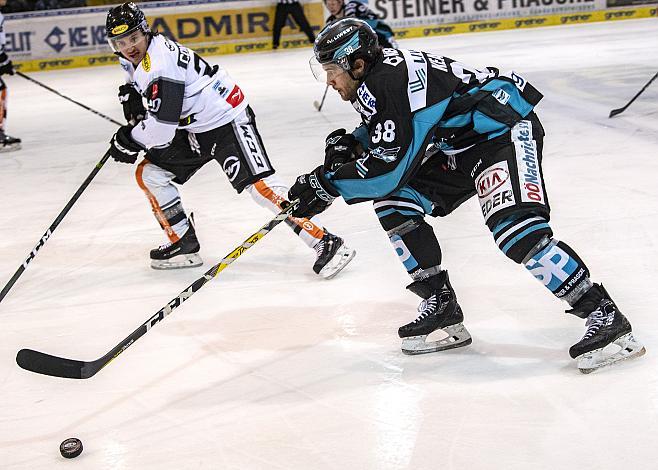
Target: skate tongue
x=421, y=289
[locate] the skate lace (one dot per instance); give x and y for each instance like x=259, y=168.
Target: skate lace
x=426, y=307
x=165, y=246
x=595, y=321
x=319, y=248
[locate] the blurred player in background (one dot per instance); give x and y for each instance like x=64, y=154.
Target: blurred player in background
x=285, y=8
x=7, y=143
x=353, y=9
x=194, y=113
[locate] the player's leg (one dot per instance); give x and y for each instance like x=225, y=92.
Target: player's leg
x=240, y=151
x=331, y=252
x=7, y=143
x=513, y=200
x=297, y=12
x=280, y=15
x=402, y=216
x=176, y=164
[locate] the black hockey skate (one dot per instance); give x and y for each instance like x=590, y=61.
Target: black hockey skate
x=9, y=144
x=182, y=254
x=332, y=255
x=438, y=311
x=605, y=326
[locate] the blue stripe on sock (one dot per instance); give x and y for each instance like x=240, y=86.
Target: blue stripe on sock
x=534, y=228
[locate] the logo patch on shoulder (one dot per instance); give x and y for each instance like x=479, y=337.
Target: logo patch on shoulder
x=146, y=63
x=236, y=97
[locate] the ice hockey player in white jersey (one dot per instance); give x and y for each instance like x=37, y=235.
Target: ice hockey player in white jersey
x=436, y=133
x=7, y=143
x=194, y=113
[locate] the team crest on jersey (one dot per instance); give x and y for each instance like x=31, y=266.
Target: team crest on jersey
x=146, y=63
x=122, y=28
x=387, y=155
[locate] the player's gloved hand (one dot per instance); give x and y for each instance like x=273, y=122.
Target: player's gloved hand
x=340, y=148
x=314, y=192
x=122, y=147
x=6, y=66
x=131, y=100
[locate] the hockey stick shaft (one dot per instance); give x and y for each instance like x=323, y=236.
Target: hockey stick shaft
x=614, y=112
x=46, y=236
x=72, y=201
x=46, y=364
x=324, y=95
x=98, y=113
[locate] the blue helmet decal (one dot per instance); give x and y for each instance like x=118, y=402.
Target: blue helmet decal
x=347, y=48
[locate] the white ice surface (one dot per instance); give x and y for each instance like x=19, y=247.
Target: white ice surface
x=269, y=367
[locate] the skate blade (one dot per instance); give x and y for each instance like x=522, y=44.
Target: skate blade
x=597, y=359
x=178, y=262
x=336, y=264
x=457, y=337
x=10, y=148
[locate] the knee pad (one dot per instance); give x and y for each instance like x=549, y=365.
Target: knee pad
x=152, y=176
x=517, y=236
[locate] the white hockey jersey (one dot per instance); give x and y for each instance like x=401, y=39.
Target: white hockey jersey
x=181, y=91
x=3, y=38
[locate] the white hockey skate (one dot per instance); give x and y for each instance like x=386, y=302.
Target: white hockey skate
x=182, y=254
x=439, y=313
x=332, y=256
x=609, y=336
x=629, y=348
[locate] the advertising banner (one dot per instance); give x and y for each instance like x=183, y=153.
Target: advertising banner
x=76, y=38
x=63, y=40
x=405, y=13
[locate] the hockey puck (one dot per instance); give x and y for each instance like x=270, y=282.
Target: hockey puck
x=70, y=448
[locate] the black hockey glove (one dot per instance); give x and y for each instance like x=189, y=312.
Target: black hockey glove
x=314, y=192
x=122, y=147
x=340, y=148
x=6, y=67
x=131, y=100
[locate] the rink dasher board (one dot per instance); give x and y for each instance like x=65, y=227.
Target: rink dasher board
x=218, y=44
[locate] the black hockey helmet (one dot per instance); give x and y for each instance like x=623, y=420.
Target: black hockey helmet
x=122, y=21
x=344, y=41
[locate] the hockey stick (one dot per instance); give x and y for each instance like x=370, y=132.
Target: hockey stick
x=27, y=77
x=42, y=241
x=614, y=112
x=72, y=201
x=46, y=364
x=318, y=105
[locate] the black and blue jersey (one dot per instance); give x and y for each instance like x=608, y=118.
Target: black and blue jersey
x=411, y=99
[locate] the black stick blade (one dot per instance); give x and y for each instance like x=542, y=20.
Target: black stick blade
x=45, y=364
x=614, y=112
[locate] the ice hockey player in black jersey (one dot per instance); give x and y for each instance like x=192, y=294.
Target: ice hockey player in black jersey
x=436, y=133
x=195, y=112
x=340, y=9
